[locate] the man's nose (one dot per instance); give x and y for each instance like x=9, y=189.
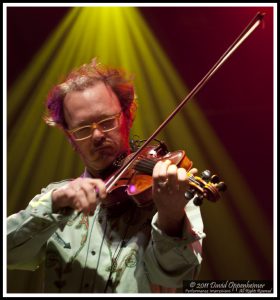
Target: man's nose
x=98, y=136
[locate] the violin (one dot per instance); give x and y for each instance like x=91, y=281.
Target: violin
x=137, y=181
x=134, y=175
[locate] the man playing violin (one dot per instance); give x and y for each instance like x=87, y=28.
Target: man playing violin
x=86, y=245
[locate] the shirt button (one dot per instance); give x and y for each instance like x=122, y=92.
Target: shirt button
x=93, y=252
x=123, y=244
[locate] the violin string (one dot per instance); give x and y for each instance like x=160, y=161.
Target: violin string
x=138, y=161
x=146, y=165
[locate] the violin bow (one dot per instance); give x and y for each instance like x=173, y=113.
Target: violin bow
x=255, y=22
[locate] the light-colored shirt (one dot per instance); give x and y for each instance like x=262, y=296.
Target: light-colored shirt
x=117, y=250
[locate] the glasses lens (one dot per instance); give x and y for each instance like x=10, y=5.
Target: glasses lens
x=82, y=133
x=108, y=124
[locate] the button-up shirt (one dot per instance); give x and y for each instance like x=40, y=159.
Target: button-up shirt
x=117, y=250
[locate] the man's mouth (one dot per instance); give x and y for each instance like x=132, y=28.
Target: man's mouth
x=102, y=148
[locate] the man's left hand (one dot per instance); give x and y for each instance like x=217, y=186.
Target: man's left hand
x=169, y=186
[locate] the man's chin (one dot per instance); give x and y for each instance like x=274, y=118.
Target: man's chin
x=101, y=163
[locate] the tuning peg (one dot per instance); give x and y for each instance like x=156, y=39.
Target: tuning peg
x=221, y=186
x=206, y=174
x=189, y=194
x=215, y=179
x=198, y=200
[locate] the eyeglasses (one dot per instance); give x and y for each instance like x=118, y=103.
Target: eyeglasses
x=84, y=132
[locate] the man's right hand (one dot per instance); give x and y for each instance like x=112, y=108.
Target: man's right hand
x=81, y=194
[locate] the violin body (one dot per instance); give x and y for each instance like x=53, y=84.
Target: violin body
x=136, y=182
x=139, y=187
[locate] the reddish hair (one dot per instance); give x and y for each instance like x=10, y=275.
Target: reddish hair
x=86, y=76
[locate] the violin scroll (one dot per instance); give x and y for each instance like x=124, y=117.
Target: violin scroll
x=205, y=187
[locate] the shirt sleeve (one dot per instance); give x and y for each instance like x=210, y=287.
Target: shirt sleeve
x=29, y=230
x=169, y=260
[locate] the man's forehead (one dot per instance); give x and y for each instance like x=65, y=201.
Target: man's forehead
x=81, y=108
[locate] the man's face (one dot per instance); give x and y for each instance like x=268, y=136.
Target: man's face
x=95, y=104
